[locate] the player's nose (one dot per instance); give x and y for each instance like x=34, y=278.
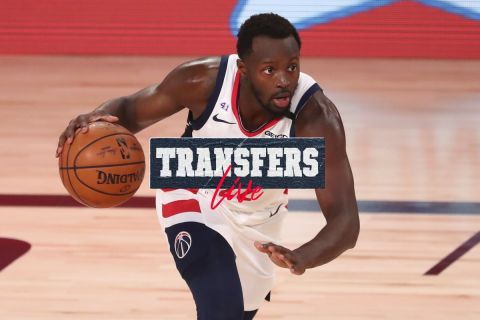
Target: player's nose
x=282, y=80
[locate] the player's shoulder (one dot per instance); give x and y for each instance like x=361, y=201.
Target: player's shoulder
x=306, y=77
x=192, y=82
x=201, y=69
x=319, y=116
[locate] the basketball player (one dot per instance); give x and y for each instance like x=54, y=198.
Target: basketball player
x=227, y=255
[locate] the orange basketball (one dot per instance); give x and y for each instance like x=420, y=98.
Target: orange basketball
x=104, y=167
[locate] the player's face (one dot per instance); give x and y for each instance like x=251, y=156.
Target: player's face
x=272, y=70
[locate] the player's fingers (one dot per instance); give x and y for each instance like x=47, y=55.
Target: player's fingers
x=279, y=262
x=297, y=271
x=292, y=263
x=286, y=260
x=69, y=133
x=70, y=130
x=110, y=118
x=273, y=248
x=261, y=247
x=66, y=137
x=61, y=142
x=82, y=124
x=102, y=116
x=85, y=120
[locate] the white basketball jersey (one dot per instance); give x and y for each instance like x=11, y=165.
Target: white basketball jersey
x=221, y=120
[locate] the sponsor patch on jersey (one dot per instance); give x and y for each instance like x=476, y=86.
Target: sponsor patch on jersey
x=274, y=135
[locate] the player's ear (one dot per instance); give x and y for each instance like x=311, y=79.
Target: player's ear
x=241, y=67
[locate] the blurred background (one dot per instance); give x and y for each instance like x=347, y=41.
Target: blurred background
x=405, y=76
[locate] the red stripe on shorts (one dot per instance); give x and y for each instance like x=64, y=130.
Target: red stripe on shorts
x=180, y=206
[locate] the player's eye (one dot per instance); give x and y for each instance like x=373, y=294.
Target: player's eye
x=292, y=67
x=268, y=70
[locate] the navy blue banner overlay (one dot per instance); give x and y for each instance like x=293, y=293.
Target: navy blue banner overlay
x=296, y=163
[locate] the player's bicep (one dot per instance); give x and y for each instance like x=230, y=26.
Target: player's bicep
x=320, y=118
x=152, y=104
x=338, y=196
x=187, y=86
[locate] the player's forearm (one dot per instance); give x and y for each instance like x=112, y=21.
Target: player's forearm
x=339, y=235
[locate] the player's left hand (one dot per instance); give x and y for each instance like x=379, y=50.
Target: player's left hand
x=283, y=257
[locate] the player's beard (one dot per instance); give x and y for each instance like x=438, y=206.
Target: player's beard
x=270, y=106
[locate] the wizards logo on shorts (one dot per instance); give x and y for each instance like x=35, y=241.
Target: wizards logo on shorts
x=183, y=243
x=209, y=163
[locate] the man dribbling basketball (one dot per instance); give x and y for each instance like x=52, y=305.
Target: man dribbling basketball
x=225, y=255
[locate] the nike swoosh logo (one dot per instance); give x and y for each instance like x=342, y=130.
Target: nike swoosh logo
x=216, y=118
x=276, y=211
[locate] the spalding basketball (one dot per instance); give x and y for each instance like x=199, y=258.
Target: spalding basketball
x=103, y=167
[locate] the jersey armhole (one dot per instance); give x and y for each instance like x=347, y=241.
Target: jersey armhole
x=198, y=123
x=314, y=88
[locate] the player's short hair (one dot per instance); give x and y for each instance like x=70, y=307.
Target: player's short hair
x=265, y=24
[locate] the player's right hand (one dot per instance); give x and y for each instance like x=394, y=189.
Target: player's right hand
x=80, y=124
x=283, y=257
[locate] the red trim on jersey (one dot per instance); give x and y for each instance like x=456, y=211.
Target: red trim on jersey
x=194, y=191
x=270, y=124
x=180, y=206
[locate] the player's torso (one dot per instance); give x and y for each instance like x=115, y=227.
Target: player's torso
x=221, y=120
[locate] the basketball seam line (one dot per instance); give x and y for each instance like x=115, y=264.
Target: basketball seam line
x=88, y=145
x=101, y=166
x=98, y=139
x=86, y=185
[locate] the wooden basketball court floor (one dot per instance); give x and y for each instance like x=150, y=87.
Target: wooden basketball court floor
x=413, y=131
